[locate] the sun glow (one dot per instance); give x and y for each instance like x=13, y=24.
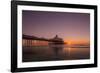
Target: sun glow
x=73, y=42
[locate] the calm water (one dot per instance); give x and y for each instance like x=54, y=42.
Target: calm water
x=48, y=53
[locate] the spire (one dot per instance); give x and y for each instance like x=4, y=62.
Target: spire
x=56, y=36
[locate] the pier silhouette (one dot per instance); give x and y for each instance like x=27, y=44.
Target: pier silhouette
x=50, y=49
x=55, y=44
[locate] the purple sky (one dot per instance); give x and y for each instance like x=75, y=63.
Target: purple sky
x=75, y=26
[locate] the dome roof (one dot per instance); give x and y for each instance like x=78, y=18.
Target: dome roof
x=56, y=38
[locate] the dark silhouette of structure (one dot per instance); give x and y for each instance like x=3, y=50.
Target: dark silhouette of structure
x=56, y=43
x=30, y=40
x=56, y=40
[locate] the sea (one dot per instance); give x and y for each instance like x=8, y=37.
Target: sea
x=54, y=53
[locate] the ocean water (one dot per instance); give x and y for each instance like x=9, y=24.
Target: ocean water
x=47, y=53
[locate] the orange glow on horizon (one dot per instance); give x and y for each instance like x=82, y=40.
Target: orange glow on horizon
x=72, y=42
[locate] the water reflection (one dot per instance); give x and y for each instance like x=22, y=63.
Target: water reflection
x=77, y=53
x=55, y=52
x=57, y=49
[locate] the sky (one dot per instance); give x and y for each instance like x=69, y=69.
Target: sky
x=71, y=27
